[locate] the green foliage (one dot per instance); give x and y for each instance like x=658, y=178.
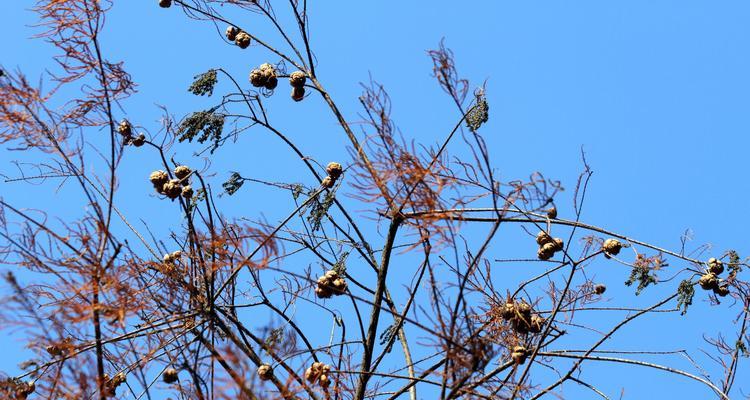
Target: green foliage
x=479, y=114
x=734, y=264
x=685, y=293
x=274, y=336
x=742, y=348
x=340, y=266
x=320, y=210
x=233, y=184
x=642, y=274
x=209, y=124
x=297, y=190
x=204, y=83
x=388, y=334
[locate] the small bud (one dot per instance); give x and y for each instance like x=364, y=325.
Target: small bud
x=187, y=192
x=165, y=3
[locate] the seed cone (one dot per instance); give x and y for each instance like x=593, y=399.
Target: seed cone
x=297, y=79
x=242, y=40
x=232, y=32
x=169, y=375
x=265, y=372
x=611, y=247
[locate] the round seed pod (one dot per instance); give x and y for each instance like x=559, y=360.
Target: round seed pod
x=257, y=78
x=543, y=254
x=537, y=322
x=139, y=140
x=182, y=171
x=715, y=266
x=265, y=67
x=119, y=379
x=519, y=354
x=708, y=281
x=600, y=289
x=323, y=292
x=272, y=82
x=552, y=212
x=54, y=350
x=124, y=128
x=339, y=285
x=169, y=375
x=331, y=274
x=327, y=182
x=524, y=309
x=543, y=238
x=165, y=3
x=324, y=381
x=298, y=93
x=232, y=32
x=158, y=178
x=172, y=189
x=507, y=311
x=520, y=324
x=297, y=79
x=242, y=40
x=611, y=247
x=168, y=259
x=310, y=375
x=187, y=192
x=334, y=170
x=559, y=244
x=722, y=290
x=265, y=372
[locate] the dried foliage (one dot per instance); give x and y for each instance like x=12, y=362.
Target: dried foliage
x=374, y=283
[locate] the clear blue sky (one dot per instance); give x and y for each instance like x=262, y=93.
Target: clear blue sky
x=656, y=93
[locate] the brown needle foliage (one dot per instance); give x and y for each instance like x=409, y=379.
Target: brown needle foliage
x=124, y=301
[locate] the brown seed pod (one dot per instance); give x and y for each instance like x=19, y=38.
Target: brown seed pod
x=139, y=140
x=536, y=324
x=257, y=78
x=339, y=285
x=165, y=3
x=520, y=325
x=271, y=83
x=524, y=309
x=722, y=290
x=543, y=238
x=124, y=128
x=558, y=243
x=611, y=247
x=169, y=375
x=158, y=178
x=334, y=170
x=187, y=192
x=519, y=354
x=297, y=79
x=508, y=311
x=242, y=40
x=298, y=93
x=552, y=212
x=546, y=251
x=708, y=281
x=323, y=292
x=54, y=350
x=182, y=171
x=324, y=381
x=265, y=372
x=231, y=32
x=327, y=182
x=600, y=289
x=715, y=266
x=172, y=189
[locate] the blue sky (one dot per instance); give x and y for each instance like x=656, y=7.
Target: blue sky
x=656, y=93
